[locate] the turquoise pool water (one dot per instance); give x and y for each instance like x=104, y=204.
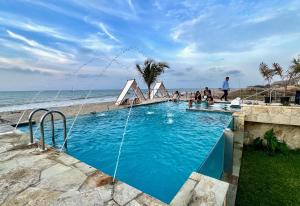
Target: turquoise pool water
x=164, y=143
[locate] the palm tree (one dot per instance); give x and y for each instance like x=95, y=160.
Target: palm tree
x=285, y=77
x=266, y=72
x=296, y=65
x=150, y=71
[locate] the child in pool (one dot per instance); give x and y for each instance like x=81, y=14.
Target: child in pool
x=190, y=104
x=210, y=100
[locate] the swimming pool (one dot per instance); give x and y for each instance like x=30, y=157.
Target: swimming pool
x=164, y=143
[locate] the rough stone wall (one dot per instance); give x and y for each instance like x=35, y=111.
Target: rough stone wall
x=287, y=115
x=288, y=133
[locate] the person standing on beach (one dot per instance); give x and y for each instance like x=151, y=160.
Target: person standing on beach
x=225, y=89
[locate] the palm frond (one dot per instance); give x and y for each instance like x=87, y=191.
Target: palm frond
x=139, y=69
x=278, y=70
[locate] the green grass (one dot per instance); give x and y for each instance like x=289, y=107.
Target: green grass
x=269, y=180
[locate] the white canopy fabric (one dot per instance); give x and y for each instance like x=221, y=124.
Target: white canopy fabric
x=130, y=84
x=159, y=87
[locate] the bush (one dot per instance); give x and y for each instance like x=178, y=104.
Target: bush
x=273, y=144
x=258, y=143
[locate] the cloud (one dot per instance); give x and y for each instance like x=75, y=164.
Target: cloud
x=17, y=64
x=103, y=28
x=24, y=39
x=113, y=8
x=180, y=30
x=40, y=50
x=234, y=73
x=26, y=24
x=25, y=71
x=94, y=42
x=131, y=6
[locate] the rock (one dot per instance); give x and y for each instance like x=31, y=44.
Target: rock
x=124, y=193
x=16, y=181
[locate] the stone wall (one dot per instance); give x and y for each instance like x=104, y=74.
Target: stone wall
x=255, y=120
x=287, y=115
x=288, y=133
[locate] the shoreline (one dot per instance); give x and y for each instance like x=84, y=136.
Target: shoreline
x=12, y=117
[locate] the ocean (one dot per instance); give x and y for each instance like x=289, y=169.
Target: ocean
x=23, y=100
x=20, y=100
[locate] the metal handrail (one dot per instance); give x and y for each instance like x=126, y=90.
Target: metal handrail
x=30, y=122
x=42, y=128
x=269, y=89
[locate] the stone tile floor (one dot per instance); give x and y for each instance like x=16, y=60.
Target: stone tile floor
x=31, y=177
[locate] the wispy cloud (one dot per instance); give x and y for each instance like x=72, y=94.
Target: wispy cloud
x=111, y=8
x=103, y=28
x=41, y=50
x=26, y=24
x=131, y=6
x=94, y=42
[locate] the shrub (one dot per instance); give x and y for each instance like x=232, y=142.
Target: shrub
x=273, y=144
x=258, y=143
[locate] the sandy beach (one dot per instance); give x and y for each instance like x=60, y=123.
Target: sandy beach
x=12, y=117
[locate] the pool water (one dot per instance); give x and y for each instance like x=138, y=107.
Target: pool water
x=163, y=144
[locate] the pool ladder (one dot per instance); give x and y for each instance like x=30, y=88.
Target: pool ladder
x=47, y=113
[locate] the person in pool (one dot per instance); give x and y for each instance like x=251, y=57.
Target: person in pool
x=197, y=97
x=207, y=91
x=210, y=100
x=190, y=104
x=176, y=96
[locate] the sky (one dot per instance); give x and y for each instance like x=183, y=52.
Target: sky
x=95, y=44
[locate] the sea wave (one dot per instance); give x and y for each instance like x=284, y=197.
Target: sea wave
x=51, y=104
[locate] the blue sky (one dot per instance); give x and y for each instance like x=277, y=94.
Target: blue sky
x=45, y=43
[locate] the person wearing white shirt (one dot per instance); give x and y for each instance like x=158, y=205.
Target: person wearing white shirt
x=225, y=88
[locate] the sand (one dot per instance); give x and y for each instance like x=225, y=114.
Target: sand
x=13, y=117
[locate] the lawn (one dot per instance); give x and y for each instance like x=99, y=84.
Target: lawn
x=269, y=180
